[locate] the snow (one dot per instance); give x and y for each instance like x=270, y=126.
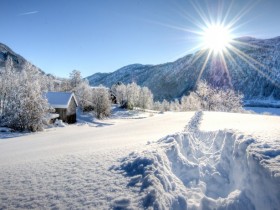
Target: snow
x=59, y=123
x=60, y=99
x=204, y=169
x=165, y=161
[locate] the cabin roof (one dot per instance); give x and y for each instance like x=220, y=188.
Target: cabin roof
x=60, y=99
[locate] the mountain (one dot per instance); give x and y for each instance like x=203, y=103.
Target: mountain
x=17, y=62
x=251, y=67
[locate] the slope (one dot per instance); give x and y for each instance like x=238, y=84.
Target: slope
x=9, y=58
x=252, y=68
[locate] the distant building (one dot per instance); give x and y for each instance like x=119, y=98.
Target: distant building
x=65, y=104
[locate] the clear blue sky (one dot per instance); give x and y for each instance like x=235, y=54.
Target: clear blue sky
x=104, y=35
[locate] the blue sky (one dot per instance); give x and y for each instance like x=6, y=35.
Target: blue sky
x=102, y=36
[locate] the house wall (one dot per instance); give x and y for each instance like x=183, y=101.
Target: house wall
x=68, y=115
x=62, y=114
x=71, y=112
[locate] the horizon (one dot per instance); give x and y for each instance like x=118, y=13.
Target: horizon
x=112, y=35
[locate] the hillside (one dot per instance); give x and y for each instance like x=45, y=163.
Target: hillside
x=17, y=62
x=253, y=69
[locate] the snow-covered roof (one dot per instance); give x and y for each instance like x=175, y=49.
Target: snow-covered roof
x=60, y=99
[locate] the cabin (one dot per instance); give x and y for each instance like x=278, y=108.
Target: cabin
x=65, y=105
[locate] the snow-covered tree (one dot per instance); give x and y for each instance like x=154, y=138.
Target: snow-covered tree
x=7, y=78
x=101, y=100
x=75, y=78
x=145, y=98
x=209, y=98
x=133, y=94
x=157, y=106
x=64, y=85
x=190, y=103
x=175, y=106
x=120, y=93
x=84, y=93
x=25, y=106
x=165, y=105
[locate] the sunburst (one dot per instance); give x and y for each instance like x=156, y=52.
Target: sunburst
x=217, y=38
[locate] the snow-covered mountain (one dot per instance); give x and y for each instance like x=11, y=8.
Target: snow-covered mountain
x=252, y=67
x=9, y=57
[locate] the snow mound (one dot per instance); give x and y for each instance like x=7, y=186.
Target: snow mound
x=59, y=123
x=205, y=170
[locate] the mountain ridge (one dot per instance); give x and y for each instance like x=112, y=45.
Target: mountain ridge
x=253, y=69
x=17, y=61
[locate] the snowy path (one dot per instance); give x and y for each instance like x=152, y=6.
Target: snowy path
x=207, y=167
x=68, y=167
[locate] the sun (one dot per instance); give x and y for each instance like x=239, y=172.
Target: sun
x=217, y=38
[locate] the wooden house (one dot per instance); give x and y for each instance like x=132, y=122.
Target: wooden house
x=65, y=104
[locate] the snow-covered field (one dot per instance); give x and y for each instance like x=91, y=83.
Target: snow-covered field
x=170, y=160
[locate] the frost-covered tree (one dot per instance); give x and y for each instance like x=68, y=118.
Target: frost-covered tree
x=120, y=93
x=83, y=94
x=64, y=85
x=209, y=98
x=7, y=78
x=157, y=106
x=145, y=98
x=24, y=107
x=175, y=105
x=230, y=101
x=165, y=105
x=132, y=95
x=75, y=78
x=190, y=103
x=101, y=100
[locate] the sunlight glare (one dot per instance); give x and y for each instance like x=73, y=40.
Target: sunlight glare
x=216, y=38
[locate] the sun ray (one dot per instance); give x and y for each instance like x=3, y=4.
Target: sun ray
x=242, y=54
x=198, y=55
x=227, y=14
x=226, y=68
x=204, y=65
x=245, y=10
x=247, y=59
x=231, y=58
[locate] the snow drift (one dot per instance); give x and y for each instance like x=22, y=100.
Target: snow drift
x=205, y=170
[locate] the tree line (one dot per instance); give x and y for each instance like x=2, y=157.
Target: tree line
x=23, y=105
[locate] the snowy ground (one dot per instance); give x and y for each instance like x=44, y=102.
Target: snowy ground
x=121, y=164
x=69, y=167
